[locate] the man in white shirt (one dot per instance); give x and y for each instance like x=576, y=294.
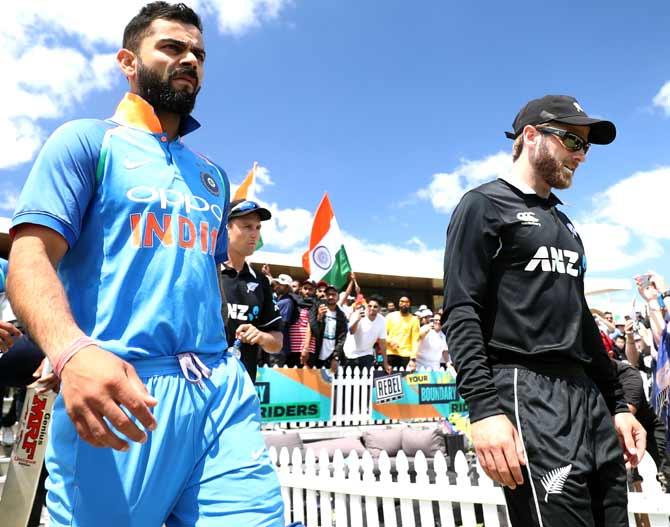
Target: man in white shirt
x=432, y=342
x=367, y=327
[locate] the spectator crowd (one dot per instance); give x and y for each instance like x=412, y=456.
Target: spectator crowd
x=327, y=328
x=638, y=344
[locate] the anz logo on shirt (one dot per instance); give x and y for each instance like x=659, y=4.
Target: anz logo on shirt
x=241, y=312
x=553, y=260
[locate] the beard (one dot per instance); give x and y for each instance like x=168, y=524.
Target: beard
x=160, y=94
x=549, y=168
x=404, y=310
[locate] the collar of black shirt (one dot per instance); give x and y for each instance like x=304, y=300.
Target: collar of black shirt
x=231, y=272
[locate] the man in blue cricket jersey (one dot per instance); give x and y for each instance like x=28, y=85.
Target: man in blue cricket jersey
x=117, y=236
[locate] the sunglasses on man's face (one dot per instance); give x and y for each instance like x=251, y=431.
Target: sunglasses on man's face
x=571, y=142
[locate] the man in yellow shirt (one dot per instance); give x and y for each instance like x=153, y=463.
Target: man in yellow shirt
x=402, y=335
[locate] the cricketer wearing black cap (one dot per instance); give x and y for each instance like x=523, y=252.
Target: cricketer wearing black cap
x=249, y=311
x=562, y=109
x=531, y=365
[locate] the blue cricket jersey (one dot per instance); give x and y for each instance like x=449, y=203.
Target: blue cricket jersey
x=144, y=219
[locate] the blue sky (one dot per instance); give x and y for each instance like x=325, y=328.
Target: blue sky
x=395, y=108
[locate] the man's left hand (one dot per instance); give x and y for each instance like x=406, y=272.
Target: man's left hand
x=632, y=437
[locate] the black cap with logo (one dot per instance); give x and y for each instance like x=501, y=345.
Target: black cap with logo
x=562, y=109
x=242, y=207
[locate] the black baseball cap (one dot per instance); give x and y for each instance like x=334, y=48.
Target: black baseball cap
x=562, y=109
x=242, y=207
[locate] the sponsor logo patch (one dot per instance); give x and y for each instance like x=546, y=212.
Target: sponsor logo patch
x=210, y=183
x=528, y=218
x=389, y=388
x=553, y=260
x=554, y=481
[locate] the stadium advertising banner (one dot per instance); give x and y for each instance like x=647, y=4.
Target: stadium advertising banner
x=293, y=394
x=419, y=395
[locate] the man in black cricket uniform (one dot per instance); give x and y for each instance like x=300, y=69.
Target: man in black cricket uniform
x=529, y=357
x=252, y=314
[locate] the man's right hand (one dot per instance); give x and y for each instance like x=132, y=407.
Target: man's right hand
x=499, y=449
x=94, y=384
x=321, y=312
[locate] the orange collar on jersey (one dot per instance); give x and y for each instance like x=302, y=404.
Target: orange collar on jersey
x=135, y=112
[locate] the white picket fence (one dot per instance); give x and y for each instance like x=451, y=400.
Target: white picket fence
x=351, y=401
x=359, y=492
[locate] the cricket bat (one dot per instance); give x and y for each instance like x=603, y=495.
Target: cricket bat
x=27, y=458
x=641, y=520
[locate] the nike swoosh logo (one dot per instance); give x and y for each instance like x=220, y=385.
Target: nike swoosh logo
x=132, y=165
x=257, y=453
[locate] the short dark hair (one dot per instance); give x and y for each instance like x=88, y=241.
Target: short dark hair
x=138, y=27
x=375, y=298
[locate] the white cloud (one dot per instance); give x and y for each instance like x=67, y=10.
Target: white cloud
x=662, y=98
x=289, y=229
x=263, y=179
x=47, y=76
x=25, y=138
x=8, y=199
x=45, y=82
x=629, y=222
x=638, y=202
x=413, y=257
x=238, y=16
x=610, y=247
x=446, y=189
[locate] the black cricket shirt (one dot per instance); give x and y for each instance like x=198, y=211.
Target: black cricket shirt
x=249, y=299
x=514, y=294
x=633, y=390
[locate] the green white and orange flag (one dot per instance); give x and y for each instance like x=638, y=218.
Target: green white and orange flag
x=246, y=191
x=326, y=258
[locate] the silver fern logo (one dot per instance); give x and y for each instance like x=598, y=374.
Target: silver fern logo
x=553, y=481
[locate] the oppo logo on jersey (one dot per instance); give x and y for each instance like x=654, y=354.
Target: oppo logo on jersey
x=553, y=260
x=173, y=198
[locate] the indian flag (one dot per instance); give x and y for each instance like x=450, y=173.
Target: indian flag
x=326, y=258
x=245, y=191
